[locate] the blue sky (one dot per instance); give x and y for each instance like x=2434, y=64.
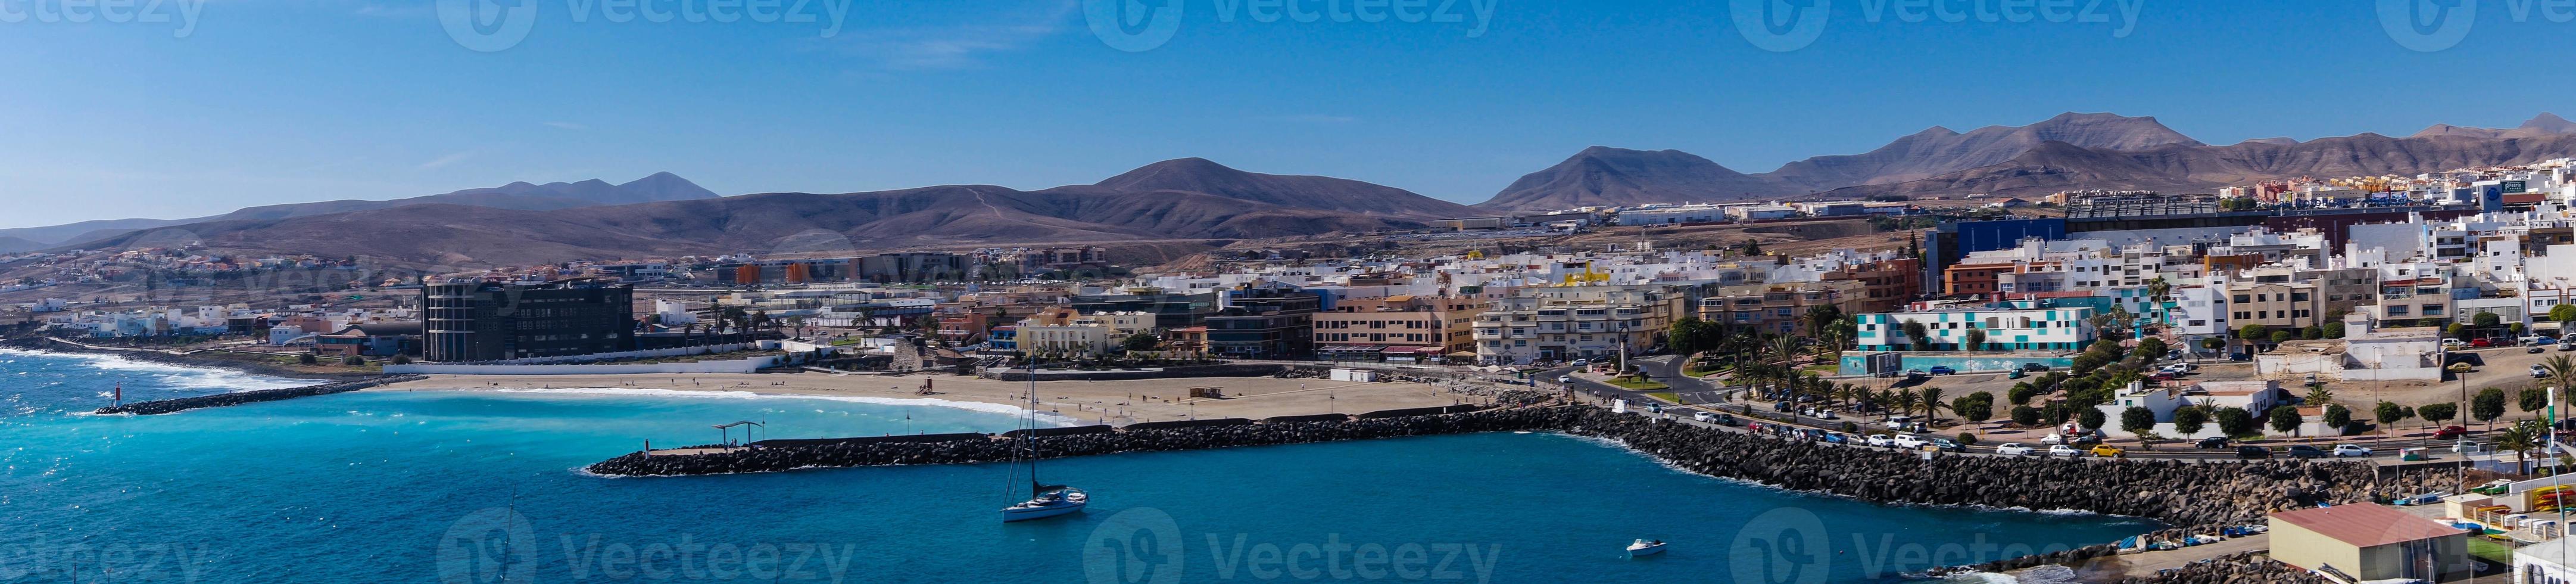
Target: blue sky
x=273, y=101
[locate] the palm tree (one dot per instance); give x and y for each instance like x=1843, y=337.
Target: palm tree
x=2562, y=372
x=1906, y=399
x=2522, y=438
x=1932, y=405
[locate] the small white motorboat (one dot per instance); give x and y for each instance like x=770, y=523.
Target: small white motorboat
x=1645, y=547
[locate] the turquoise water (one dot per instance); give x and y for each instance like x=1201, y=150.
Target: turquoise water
x=466, y=487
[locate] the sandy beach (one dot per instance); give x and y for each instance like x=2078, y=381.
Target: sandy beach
x=1101, y=402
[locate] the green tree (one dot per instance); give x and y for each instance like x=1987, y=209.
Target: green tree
x=2235, y=421
x=2388, y=413
x=307, y=359
x=2313, y=333
x=1141, y=341
x=2486, y=319
x=1918, y=335
x=2021, y=393
x=1974, y=407
x=2563, y=313
x=2253, y=332
x=2213, y=343
x=2025, y=416
x=2319, y=394
x=2456, y=331
x=2437, y=412
x=1976, y=340
x=2338, y=416
x=2190, y=420
x=2283, y=336
x=2137, y=420
x=2533, y=398
x=2522, y=438
x=2334, y=330
x=2285, y=420
x=2488, y=405
x=2090, y=418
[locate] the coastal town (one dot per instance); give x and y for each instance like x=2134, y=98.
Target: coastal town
x=2415, y=325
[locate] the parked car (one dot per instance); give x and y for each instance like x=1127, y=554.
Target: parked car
x=2535, y=349
x=2213, y=442
x=2016, y=374
x=1729, y=420
x=1580, y=362
x=2449, y=432
x=1944, y=370
x=2466, y=447
x=2480, y=343
x=2565, y=347
x=2454, y=344
x=2062, y=450
x=1916, y=374
x=1909, y=441
x=1881, y=440
x=2350, y=450
x=2164, y=376
x=2544, y=340
x=2306, y=451
x=2250, y=452
x=1704, y=417
x=2084, y=438
x=2052, y=438
x=1948, y=445
x=2538, y=372
x=2013, y=449
x=1784, y=407
x=2033, y=367
x=1564, y=379
x=2173, y=353
x=2107, y=451
x=1825, y=414
x=1837, y=439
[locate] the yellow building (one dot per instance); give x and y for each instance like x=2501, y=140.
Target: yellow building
x=2369, y=541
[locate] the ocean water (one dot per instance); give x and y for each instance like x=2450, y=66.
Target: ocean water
x=443, y=486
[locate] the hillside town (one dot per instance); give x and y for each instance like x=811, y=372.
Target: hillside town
x=2410, y=320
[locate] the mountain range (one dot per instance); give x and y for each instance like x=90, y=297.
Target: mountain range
x=1177, y=199
x=662, y=186
x=1197, y=199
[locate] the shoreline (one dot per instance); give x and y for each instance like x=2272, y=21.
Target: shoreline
x=50, y=346
x=1118, y=403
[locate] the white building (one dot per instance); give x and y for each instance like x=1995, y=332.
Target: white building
x=2043, y=329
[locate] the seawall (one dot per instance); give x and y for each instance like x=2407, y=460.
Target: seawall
x=175, y=405
x=2175, y=492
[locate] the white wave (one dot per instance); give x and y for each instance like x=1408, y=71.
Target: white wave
x=174, y=376
x=1049, y=417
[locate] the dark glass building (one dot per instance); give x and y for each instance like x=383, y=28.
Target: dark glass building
x=1266, y=323
x=486, y=321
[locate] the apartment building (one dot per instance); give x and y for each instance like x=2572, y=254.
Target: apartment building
x=1780, y=308
x=1562, y=323
x=490, y=321
x=1062, y=331
x=1265, y=323
x=1886, y=284
x=1374, y=328
x=2006, y=329
x=2274, y=305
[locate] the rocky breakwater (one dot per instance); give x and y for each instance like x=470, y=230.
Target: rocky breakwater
x=977, y=448
x=175, y=405
x=2176, y=492
x=2172, y=491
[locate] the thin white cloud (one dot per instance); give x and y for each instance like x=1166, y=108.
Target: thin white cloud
x=958, y=46
x=447, y=160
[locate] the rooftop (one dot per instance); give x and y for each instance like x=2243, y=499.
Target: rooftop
x=2366, y=524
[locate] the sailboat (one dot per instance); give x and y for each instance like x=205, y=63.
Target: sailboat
x=1045, y=500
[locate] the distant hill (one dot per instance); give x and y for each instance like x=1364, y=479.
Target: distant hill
x=662, y=186
x=2546, y=124
x=15, y=245
x=1602, y=175
x=2060, y=166
x=1612, y=176
x=1168, y=200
